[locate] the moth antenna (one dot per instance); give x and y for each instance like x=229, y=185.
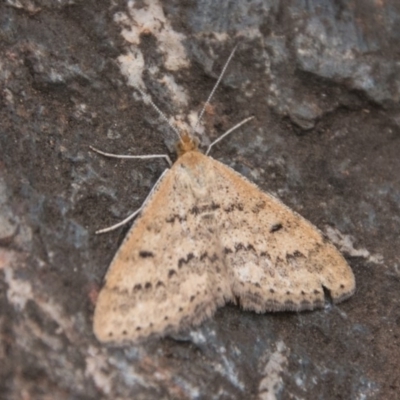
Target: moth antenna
x=215, y=87
x=146, y=97
x=139, y=157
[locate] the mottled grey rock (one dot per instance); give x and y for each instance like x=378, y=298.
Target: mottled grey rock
x=321, y=79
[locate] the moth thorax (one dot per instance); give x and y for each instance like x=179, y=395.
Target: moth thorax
x=187, y=143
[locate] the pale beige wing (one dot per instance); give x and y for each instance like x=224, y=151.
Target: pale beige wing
x=207, y=236
x=169, y=271
x=276, y=259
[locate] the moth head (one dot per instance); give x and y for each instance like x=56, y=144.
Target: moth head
x=187, y=143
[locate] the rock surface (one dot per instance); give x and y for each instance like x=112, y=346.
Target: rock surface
x=322, y=79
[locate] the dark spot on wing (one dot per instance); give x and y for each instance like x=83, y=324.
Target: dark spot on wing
x=294, y=255
x=233, y=207
x=276, y=227
x=258, y=207
x=241, y=246
x=196, y=210
x=171, y=219
x=183, y=261
x=145, y=254
x=147, y=285
x=171, y=273
x=137, y=287
x=212, y=258
x=251, y=247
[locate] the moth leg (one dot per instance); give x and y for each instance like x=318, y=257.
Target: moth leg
x=135, y=213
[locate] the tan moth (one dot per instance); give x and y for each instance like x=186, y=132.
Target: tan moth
x=206, y=236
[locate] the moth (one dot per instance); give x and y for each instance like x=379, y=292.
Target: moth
x=206, y=236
